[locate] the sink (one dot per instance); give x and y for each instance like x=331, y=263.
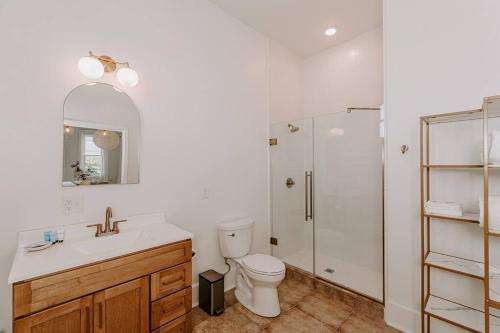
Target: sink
x=107, y=243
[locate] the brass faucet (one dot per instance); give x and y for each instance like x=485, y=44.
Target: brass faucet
x=108, y=229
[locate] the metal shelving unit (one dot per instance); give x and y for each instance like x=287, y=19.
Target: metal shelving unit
x=473, y=320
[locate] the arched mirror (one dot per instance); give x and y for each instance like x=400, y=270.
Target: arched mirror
x=101, y=137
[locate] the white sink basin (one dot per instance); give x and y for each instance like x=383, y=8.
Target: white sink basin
x=107, y=243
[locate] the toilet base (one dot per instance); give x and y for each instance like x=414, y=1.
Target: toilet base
x=261, y=301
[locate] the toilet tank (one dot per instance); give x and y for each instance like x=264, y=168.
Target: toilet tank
x=235, y=237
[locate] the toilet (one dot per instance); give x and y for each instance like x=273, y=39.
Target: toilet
x=257, y=275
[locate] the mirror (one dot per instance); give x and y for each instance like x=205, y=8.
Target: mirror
x=101, y=137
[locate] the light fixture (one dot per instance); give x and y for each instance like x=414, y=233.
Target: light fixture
x=107, y=140
x=94, y=67
x=91, y=68
x=127, y=77
x=330, y=31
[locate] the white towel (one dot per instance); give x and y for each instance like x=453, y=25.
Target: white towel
x=494, y=212
x=443, y=208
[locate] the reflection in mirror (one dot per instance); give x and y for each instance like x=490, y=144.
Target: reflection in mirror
x=101, y=137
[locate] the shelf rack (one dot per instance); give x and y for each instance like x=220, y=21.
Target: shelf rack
x=432, y=306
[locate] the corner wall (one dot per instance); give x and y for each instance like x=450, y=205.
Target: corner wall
x=440, y=56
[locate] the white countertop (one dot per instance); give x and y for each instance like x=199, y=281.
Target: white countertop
x=81, y=247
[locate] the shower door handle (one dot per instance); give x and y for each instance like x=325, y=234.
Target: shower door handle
x=308, y=197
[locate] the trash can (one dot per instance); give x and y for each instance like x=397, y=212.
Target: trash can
x=211, y=297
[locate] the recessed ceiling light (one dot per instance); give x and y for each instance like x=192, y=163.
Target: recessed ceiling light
x=330, y=31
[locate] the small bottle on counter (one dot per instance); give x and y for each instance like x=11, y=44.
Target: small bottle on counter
x=60, y=235
x=53, y=237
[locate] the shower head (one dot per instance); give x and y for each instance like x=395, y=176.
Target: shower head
x=292, y=128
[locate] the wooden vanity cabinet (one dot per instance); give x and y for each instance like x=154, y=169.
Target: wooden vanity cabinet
x=148, y=291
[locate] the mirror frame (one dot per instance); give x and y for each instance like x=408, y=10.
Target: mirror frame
x=79, y=123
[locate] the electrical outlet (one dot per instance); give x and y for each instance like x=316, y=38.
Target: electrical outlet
x=206, y=193
x=72, y=204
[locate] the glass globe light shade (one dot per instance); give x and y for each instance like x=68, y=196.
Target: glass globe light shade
x=107, y=140
x=91, y=67
x=68, y=130
x=127, y=77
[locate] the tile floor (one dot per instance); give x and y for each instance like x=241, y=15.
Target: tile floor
x=306, y=306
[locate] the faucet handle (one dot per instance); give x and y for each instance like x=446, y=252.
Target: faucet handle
x=115, y=227
x=98, y=229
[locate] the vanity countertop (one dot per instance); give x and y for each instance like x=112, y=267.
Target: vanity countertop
x=81, y=247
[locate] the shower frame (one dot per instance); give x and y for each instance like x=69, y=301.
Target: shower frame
x=273, y=141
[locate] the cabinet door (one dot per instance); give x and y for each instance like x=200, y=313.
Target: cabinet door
x=124, y=308
x=71, y=317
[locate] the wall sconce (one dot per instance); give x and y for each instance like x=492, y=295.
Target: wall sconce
x=93, y=67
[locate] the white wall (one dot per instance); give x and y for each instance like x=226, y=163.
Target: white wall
x=440, y=56
x=203, y=99
x=349, y=74
x=285, y=83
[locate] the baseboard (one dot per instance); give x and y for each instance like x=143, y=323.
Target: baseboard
x=196, y=288
x=401, y=317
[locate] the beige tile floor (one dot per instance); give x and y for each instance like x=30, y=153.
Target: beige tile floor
x=306, y=306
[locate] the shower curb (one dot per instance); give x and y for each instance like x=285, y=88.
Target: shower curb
x=359, y=303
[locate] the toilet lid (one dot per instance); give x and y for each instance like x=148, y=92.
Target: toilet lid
x=264, y=264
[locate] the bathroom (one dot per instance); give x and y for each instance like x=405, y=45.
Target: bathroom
x=216, y=81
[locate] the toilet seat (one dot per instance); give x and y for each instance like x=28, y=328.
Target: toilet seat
x=263, y=264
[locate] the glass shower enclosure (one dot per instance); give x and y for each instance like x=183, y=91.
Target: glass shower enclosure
x=327, y=198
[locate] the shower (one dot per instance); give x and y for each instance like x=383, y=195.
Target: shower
x=330, y=222
x=292, y=128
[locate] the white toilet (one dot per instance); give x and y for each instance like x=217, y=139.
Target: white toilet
x=257, y=275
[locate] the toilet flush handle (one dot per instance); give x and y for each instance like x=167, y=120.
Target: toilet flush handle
x=232, y=235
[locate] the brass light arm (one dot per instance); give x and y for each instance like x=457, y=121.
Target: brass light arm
x=109, y=63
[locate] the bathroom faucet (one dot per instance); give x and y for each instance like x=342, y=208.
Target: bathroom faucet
x=108, y=229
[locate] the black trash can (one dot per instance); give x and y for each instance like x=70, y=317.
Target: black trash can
x=211, y=292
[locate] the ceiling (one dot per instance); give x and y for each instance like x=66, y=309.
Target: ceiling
x=300, y=24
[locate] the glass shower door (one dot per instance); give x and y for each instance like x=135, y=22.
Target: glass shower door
x=291, y=191
x=348, y=150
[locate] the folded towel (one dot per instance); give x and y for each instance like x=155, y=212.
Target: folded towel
x=443, y=208
x=494, y=212
x=443, y=205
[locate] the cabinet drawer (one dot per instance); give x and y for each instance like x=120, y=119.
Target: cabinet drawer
x=179, y=325
x=170, y=281
x=170, y=307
